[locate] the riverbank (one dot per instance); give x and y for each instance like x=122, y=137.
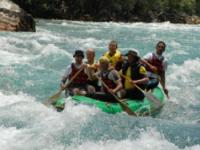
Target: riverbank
x=17, y=16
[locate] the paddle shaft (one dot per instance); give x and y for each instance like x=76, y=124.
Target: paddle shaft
x=124, y=105
x=53, y=98
x=76, y=74
x=125, y=77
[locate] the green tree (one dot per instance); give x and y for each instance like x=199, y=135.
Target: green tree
x=198, y=7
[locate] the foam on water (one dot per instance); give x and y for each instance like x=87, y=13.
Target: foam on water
x=185, y=71
x=185, y=76
x=150, y=139
x=152, y=26
x=52, y=49
x=7, y=134
x=8, y=98
x=85, y=43
x=27, y=124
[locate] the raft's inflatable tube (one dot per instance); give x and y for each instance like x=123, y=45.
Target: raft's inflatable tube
x=145, y=107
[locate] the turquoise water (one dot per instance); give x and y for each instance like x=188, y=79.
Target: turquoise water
x=31, y=65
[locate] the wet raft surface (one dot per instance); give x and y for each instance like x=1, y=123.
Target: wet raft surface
x=145, y=107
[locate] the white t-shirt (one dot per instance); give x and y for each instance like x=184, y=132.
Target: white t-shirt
x=68, y=70
x=149, y=57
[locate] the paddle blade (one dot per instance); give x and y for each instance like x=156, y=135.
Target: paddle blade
x=153, y=99
x=53, y=98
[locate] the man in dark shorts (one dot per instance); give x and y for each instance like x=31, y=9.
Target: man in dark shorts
x=135, y=74
x=79, y=85
x=156, y=65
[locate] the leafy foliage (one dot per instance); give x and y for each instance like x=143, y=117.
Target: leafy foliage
x=103, y=10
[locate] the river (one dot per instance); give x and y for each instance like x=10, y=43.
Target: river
x=32, y=64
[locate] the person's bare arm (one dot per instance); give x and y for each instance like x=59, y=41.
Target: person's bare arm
x=141, y=81
x=118, y=87
x=162, y=82
x=143, y=73
x=92, y=70
x=117, y=80
x=65, y=77
x=144, y=61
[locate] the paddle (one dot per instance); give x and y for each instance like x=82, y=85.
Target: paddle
x=149, y=96
x=123, y=104
x=53, y=98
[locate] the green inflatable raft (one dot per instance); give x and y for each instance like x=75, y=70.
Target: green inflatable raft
x=145, y=107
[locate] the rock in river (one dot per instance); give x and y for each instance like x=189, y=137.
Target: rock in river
x=13, y=18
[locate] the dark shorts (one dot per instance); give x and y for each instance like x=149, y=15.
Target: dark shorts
x=94, y=83
x=134, y=94
x=70, y=89
x=153, y=82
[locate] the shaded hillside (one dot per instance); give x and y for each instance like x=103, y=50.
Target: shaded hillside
x=113, y=10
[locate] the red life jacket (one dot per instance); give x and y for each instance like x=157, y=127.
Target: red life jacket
x=157, y=63
x=81, y=78
x=108, y=82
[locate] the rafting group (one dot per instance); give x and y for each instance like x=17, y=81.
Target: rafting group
x=115, y=75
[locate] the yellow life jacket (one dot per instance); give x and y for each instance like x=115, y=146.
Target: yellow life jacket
x=127, y=84
x=114, y=58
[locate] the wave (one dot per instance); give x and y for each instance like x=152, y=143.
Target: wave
x=152, y=26
x=32, y=125
x=150, y=139
x=185, y=77
x=9, y=98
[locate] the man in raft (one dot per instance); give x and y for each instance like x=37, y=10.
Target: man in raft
x=111, y=78
x=79, y=84
x=156, y=65
x=114, y=55
x=133, y=73
x=92, y=67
